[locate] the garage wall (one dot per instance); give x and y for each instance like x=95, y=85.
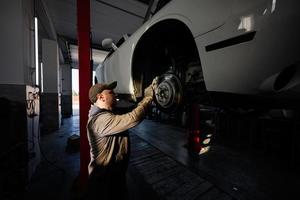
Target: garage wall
x=16, y=67
x=50, y=98
x=16, y=37
x=50, y=66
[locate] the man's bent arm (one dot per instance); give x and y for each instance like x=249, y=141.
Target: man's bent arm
x=110, y=124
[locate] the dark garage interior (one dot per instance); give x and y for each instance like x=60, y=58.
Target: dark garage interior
x=223, y=121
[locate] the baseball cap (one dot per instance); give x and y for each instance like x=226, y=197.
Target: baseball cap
x=98, y=88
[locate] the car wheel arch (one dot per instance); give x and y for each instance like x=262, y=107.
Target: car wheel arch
x=149, y=54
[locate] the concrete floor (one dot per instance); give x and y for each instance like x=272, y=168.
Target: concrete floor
x=161, y=167
x=242, y=175
x=57, y=173
x=59, y=166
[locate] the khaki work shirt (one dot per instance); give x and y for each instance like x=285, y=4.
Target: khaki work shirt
x=108, y=136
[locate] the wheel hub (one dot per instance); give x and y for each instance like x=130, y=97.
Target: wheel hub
x=169, y=93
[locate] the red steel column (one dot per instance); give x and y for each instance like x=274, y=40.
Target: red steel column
x=194, y=128
x=85, y=81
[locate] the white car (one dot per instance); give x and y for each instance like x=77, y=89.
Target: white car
x=217, y=52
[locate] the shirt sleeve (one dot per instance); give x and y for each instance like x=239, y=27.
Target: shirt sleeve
x=110, y=124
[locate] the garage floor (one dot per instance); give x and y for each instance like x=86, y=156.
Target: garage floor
x=161, y=167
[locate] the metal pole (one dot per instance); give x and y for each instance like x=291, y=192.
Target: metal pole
x=85, y=81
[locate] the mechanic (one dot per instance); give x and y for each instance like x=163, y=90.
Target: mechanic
x=109, y=141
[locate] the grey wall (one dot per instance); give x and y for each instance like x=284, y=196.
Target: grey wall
x=16, y=50
x=50, y=66
x=50, y=98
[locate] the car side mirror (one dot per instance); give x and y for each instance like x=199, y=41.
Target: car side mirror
x=108, y=44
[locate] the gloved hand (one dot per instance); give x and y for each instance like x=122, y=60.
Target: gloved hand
x=155, y=84
x=149, y=91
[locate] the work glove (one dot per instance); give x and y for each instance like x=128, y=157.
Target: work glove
x=149, y=91
x=155, y=84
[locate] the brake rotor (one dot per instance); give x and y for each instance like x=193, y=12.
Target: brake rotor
x=168, y=95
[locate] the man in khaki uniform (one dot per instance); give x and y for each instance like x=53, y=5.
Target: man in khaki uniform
x=109, y=141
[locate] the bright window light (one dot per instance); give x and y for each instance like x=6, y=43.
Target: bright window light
x=36, y=42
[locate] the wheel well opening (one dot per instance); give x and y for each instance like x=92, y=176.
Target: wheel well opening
x=168, y=46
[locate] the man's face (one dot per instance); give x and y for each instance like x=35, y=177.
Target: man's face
x=109, y=97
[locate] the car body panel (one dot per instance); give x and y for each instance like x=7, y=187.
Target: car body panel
x=241, y=68
x=122, y=62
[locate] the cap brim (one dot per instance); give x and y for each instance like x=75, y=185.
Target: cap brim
x=112, y=85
